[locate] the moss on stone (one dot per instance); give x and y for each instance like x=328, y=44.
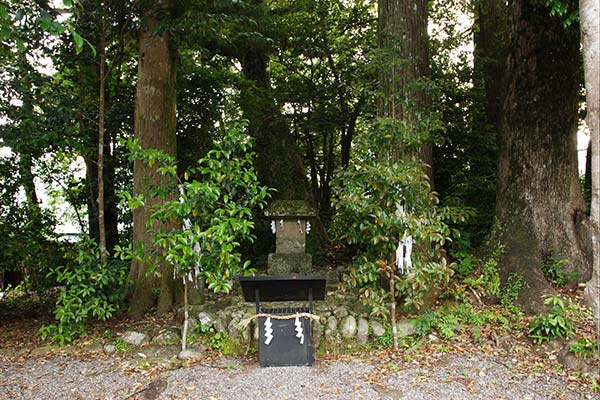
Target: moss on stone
x=290, y=209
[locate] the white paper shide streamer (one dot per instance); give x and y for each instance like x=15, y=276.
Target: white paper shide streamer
x=273, y=227
x=268, y=331
x=299, y=330
x=404, y=254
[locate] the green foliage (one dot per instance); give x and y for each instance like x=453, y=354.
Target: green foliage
x=449, y=321
x=554, y=325
x=555, y=271
x=425, y=323
x=585, y=348
x=386, y=340
x=122, y=346
x=90, y=290
x=370, y=195
x=466, y=158
x=567, y=10
x=510, y=292
x=27, y=231
x=211, y=206
x=488, y=277
x=215, y=339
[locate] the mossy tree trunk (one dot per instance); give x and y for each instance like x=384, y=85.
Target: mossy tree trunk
x=539, y=203
x=155, y=127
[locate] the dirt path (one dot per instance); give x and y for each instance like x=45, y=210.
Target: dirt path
x=454, y=376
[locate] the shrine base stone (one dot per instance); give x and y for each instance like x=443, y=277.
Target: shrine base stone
x=289, y=264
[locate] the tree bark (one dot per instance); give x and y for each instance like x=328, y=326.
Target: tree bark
x=403, y=33
x=589, y=12
x=155, y=127
x=539, y=203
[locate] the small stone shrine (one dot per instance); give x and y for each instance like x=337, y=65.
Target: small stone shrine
x=290, y=224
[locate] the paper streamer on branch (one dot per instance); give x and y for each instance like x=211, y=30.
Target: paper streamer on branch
x=404, y=254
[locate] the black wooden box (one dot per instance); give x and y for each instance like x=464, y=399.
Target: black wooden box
x=284, y=342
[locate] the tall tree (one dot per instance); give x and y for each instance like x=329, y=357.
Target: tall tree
x=490, y=39
x=589, y=12
x=104, y=24
x=540, y=206
x=155, y=128
x=320, y=72
x=465, y=161
x=278, y=161
x=404, y=40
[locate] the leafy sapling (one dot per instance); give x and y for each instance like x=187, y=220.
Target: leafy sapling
x=211, y=206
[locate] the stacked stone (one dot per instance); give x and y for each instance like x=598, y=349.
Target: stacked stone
x=341, y=318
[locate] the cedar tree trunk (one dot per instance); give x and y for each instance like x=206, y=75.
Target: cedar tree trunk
x=403, y=33
x=155, y=127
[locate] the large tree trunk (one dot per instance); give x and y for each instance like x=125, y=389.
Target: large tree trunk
x=155, y=126
x=589, y=12
x=539, y=204
x=403, y=35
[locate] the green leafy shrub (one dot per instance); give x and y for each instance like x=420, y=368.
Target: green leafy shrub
x=380, y=201
x=554, y=325
x=448, y=321
x=425, y=323
x=90, y=290
x=212, y=204
x=208, y=210
x=585, y=348
x=555, y=271
x=216, y=340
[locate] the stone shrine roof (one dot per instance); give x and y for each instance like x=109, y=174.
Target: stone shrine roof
x=290, y=209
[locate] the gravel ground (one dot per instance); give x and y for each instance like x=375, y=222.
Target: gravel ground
x=452, y=377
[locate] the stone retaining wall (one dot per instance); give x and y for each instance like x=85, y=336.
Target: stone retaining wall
x=342, y=317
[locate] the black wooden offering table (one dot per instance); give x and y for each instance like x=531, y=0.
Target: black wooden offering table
x=284, y=332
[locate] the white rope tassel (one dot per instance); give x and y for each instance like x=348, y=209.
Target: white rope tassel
x=273, y=227
x=268, y=331
x=299, y=330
